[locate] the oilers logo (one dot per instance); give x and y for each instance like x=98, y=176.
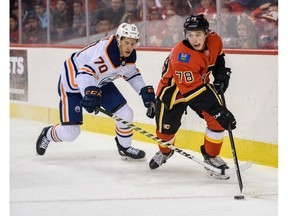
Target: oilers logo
x=77, y=109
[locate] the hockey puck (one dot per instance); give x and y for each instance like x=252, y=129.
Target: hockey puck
x=239, y=197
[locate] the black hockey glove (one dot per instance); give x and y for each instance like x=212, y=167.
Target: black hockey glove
x=148, y=97
x=225, y=118
x=221, y=78
x=92, y=99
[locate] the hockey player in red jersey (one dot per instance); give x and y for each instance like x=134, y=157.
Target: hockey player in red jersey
x=86, y=81
x=185, y=82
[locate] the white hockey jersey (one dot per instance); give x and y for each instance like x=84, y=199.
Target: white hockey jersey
x=97, y=64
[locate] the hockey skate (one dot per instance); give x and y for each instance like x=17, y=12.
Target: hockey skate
x=159, y=158
x=130, y=153
x=215, y=162
x=42, y=142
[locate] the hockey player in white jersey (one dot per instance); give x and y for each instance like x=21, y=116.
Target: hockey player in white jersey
x=86, y=81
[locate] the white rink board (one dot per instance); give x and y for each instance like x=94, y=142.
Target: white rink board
x=252, y=95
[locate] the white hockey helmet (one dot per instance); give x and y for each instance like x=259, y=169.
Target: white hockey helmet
x=128, y=30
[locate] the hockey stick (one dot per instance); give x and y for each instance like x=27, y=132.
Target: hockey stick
x=232, y=145
x=168, y=145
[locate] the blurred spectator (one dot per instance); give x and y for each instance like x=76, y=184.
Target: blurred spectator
x=132, y=14
x=62, y=21
x=251, y=5
x=247, y=33
x=229, y=21
x=151, y=9
x=33, y=32
x=237, y=7
x=166, y=4
x=269, y=38
x=114, y=12
x=79, y=19
x=24, y=11
x=264, y=9
x=167, y=33
x=183, y=7
x=94, y=5
x=41, y=11
x=104, y=25
x=247, y=37
x=174, y=31
x=167, y=8
x=169, y=11
x=207, y=7
x=14, y=30
x=155, y=27
x=155, y=14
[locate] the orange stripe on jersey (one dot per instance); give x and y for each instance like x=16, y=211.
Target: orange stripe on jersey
x=71, y=73
x=64, y=104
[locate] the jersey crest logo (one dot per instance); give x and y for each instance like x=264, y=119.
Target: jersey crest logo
x=207, y=52
x=183, y=57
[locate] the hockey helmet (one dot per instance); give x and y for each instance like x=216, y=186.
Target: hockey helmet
x=128, y=30
x=196, y=22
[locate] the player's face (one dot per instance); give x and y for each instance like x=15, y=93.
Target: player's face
x=127, y=45
x=196, y=39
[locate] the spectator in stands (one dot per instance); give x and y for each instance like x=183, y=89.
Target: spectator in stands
x=264, y=9
x=259, y=12
x=165, y=4
x=183, y=7
x=168, y=12
x=155, y=14
x=79, y=19
x=115, y=13
x=14, y=30
x=154, y=28
x=247, y=33
x=174, y=31
x=41, y=11
x=33, y=32
x=94, y=5
x=132, y=14
x=24, y=11
x=229, y=21
x=207, y=7
x=151, y=8
x=237, y=7
x=251, y=5
x=104, y=25
x=62, y=21
x=269, y=38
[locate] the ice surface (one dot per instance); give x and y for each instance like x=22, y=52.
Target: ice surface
x=87, y=177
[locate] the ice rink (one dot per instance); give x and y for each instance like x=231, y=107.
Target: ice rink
x=87, y=177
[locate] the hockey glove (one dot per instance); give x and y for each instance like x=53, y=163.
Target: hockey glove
x=226, y=119
x=148, y=97
x=221, y=78
x=92, y=99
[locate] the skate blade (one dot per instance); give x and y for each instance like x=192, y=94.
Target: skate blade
x=215, y=175
x=127, y=158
